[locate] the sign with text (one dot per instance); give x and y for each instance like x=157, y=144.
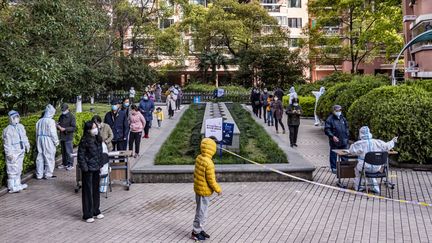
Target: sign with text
x=213, y=128
x=228, y=133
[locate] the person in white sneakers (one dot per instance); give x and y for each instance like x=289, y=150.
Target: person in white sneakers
x=46, y=140
x=16, y=143
x=90, y=161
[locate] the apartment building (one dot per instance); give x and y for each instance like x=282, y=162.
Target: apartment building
x=417, y=19
x=291, y=15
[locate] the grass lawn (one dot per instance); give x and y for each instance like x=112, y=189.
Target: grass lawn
x=182, y=146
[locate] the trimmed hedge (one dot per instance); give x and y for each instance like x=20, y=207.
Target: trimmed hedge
x=307, y=104
x=345, y=94
x=403, y=111
x=424, y=84
x=211, y=88
x=29, y=123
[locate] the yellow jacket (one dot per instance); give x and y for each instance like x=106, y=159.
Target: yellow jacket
x=159, y=115
x=204, y=175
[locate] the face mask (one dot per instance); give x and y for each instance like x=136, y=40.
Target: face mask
x=65, y=112
x=94, y=131
x=338, y=113
x=265, y=91
x=145, y=97
x=15, y=120
x=126, y=104
x=114, y=107
x=295, y=104
x=276, y=99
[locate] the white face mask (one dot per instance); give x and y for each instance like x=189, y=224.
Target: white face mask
x=338, y=113
x=276, y=98
x=15, y=120
x=65, y=112
x=94, y=131
x=295, y=104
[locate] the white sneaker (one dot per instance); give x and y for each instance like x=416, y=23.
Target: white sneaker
x=61, y=167
x=100, y=216
x=69, y=168
x=90, y=220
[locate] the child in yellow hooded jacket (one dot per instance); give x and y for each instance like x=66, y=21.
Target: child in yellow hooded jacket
x=204, y=185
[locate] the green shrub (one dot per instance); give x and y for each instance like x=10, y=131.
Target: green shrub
x=424, y=84
x=210, y=88
x=345, y=94
x=307, y=104
x=403, y=111
x=29, y=123
x=306, y=89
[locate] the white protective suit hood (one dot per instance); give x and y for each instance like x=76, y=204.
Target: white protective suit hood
x=322, y=90
x=12, y=114
x=364, y=133
x=292, y=90
x=49, y=111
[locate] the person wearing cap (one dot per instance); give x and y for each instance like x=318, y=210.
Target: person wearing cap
x=118, y=121
x=361, y=148
x=336, y=129
x=46, y=141
x=15, y=143
x=67, y=126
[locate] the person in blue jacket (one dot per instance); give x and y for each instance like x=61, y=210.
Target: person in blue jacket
x=119, y=124
x=336, y=129
x=146, y=108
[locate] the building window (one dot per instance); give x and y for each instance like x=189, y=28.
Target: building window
x=199, y=2
x=165, y=23
x=269, y=1
x=294, y=3
x=294, y=22
x=272, y=8
x=282, y=20
x=293, y=42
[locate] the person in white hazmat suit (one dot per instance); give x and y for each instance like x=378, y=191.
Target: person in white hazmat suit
x=46, y=141
x=292, y=95
x=317, y=95
x=361, y=148
x=15, y=143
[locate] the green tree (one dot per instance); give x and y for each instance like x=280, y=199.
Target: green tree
x=47, y=48
x=271, y=66
x=365, y=29
x=212, y=61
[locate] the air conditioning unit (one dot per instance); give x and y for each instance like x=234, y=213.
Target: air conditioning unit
x=412, y=67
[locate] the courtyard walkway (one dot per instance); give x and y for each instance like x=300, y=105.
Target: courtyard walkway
x=50, y=211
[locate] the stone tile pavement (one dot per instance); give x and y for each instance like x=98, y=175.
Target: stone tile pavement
x=50, y=211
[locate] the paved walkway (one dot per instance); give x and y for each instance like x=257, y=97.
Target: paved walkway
x=50, y=211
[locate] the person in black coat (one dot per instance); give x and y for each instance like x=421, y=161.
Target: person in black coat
x=117, y=120
x=337, y=130
x=294, y=112
x=90, y=160
x=66, y=125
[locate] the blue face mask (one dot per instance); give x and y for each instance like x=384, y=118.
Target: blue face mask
x=145, y=97
x=126, y=105
x=338, y=113
x=114, y=107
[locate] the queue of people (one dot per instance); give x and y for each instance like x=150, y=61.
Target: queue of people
x=270, y=107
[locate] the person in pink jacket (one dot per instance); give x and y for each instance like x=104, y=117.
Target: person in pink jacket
x=136, y=124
